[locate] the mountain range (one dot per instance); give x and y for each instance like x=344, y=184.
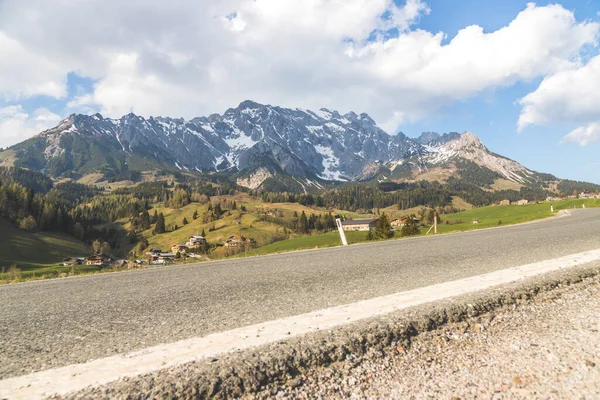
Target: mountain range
x=256, y=143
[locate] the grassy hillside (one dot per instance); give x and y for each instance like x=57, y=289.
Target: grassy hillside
x=504, y=215
x=231, y=223
x=39, y=252
x=329, y=239
x=487, y=216
x=250, y=223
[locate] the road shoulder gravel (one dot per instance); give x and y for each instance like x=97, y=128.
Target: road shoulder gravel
x=421, y=341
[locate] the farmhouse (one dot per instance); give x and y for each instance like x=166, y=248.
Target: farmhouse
x=73, y=261
x=165, y=257
x=97, y=260
x=522, y=202
x=395, y=223
x=238, y=241
x=589, y=195
x=398, y=223
x=505, y=203
x=181, y=248
x=360, y=224
x=195, y=241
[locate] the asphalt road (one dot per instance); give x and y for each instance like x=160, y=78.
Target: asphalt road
x=53, y=323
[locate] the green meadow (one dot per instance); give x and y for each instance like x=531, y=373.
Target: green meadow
x=487, y=217
x=493, y=216
x=37, y=254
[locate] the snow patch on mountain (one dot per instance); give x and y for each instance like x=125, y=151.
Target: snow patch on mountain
x=330, y=164
x=305, y=144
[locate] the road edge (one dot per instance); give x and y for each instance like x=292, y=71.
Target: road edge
x=249, y=371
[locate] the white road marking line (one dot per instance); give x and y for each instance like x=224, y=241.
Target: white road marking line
x=75, y=377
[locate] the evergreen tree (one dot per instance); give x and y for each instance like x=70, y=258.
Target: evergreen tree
x=203, y=234
x=303, y=223
x=195, y=216
x=411, y=228
x=185, y=221
x=218, y=211
x=205, y=247
x=160, y=224
x=383, y=229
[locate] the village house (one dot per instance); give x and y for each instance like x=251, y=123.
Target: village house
x=161, y=258
x=234, y=241
x=164, y=258
x=178, y=248
x=522, y=202
x=589, y=195
x=195, y=241
x=97, y=260
x=155, y=251
x=505, y=203
x=360, y=224
x=239, y=241
x=73, y=261
x=398, y=223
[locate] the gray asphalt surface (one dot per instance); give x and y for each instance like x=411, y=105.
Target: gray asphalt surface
x=46, y=324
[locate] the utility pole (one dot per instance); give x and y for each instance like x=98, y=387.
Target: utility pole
x=435, y=222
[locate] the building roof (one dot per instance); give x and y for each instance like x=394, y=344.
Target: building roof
x=359, y=221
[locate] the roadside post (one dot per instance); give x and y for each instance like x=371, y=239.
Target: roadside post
x=551, y=208
x=435, y=222
x=338, y=222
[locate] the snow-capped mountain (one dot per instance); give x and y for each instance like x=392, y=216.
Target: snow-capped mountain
x=255, y=142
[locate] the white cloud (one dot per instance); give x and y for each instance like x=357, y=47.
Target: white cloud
x=584, y=135
x=24, y=73
x=193, y=57
x=16, y=125
x=569, y=96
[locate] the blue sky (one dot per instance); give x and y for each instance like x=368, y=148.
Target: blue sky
x=493, y=116
x=527, y=83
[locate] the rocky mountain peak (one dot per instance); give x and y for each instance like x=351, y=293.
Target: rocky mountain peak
x=308, y=145
x=469, y=140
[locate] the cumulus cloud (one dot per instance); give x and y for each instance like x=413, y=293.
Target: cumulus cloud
x=16, y=125
x=24, y=73
x=190, y=58
x=569, y=96
x=584, y=135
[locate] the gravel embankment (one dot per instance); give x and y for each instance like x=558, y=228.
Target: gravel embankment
x=535, y=339
x=545, y=349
